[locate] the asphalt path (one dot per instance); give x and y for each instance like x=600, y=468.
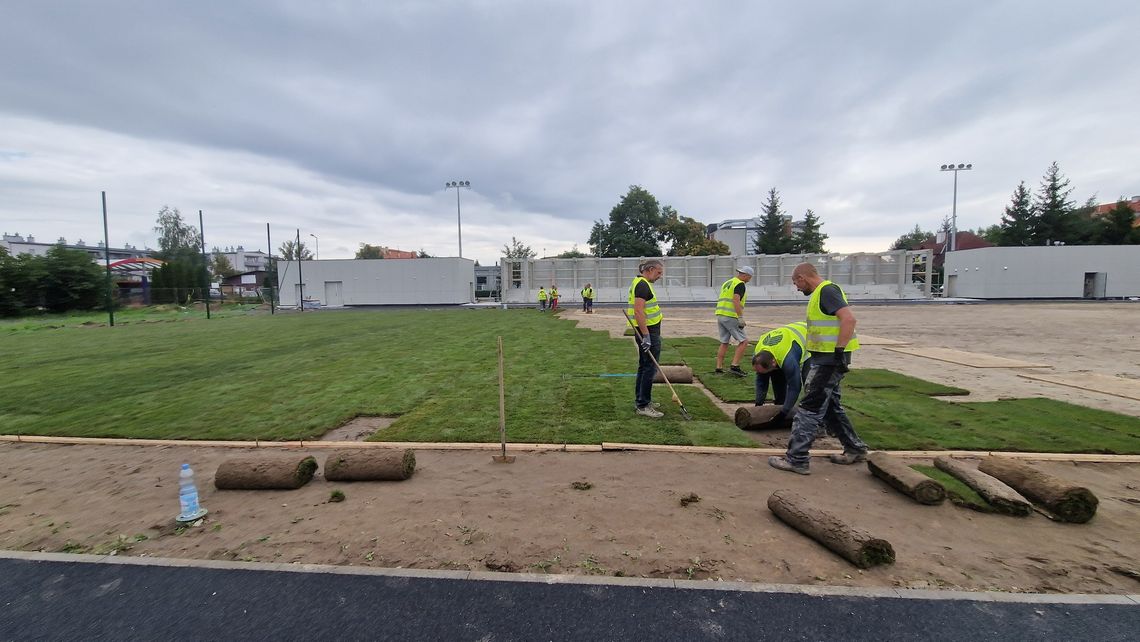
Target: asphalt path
x=62, y=600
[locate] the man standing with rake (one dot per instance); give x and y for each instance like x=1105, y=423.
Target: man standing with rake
x=645, y=314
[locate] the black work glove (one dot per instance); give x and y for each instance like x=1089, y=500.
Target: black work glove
x=780, y=417
x=840, y=362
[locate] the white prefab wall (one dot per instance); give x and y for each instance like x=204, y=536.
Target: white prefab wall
x=347, y=282
x=1067, y=271
x=902, y=274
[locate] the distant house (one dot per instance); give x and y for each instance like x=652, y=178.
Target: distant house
x=246, y=284
x=390, y=253
x=964, y=241
x=1105, y=208
x=16, y=245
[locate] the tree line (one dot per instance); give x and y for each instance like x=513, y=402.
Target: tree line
x=59, y=281
x=1046, y=217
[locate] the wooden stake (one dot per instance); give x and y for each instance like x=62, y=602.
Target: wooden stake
x=502, y=458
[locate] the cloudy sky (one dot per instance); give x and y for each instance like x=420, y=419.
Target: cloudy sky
x=345, y=119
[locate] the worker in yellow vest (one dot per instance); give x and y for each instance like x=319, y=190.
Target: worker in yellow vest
x=542, y=299
x=730, y=319
x=782, y=359
x=646, y=315
x=588, y=299
x=830, y=340
x=553, y=297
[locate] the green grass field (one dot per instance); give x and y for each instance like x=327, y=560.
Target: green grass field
x=295, y=376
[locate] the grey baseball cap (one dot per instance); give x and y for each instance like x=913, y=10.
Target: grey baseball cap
x=744, y=269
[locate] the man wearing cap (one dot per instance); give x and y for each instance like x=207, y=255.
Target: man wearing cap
x=730, y=319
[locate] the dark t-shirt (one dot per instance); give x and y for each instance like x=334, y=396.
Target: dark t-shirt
x=830, y=302
x=739, y=290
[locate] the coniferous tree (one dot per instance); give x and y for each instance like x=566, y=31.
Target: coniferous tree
x=774, y=236
x=1054, y=209
x=1019, y=223
x=809, y=239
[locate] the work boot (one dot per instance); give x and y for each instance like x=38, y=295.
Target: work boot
x=719, y=371
x=782, y=463
x=651, y=412
x=847, y=459
x=737, y=371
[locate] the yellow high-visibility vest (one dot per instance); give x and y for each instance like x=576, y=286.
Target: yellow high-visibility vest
x=724, y=306
x=542, y=295
x=780, y=341
x=823, y=329
x=587, y=293
x=652, y=310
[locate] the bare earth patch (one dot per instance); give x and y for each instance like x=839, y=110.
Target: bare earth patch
x=460, y=511
x=358, y=429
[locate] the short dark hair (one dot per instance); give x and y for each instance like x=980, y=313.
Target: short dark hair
x=764, y=359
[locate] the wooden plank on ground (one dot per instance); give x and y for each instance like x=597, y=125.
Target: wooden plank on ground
x=972, y=359
x=1115, y=386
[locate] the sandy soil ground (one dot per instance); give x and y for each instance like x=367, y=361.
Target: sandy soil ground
x=460, y=511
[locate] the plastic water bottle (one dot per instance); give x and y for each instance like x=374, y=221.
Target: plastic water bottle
x=188, y=496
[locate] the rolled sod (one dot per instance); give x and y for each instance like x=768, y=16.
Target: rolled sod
x=370, y=465
x=905, y=479
x=852, y=544
x=265, y=472
x=761, y=418
x=1004, y=499
x=676, y=374
x=1067, y=501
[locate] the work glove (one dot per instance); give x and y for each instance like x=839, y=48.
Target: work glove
x=646, y=343
x=740, y=324
x=780, y=417
x=840, y=362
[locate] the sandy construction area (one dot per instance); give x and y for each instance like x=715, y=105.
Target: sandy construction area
x=460, y=511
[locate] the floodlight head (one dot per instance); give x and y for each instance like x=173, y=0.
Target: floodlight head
x=943, y=167
x=969, y=166
x=467, y=183
x=961, y=165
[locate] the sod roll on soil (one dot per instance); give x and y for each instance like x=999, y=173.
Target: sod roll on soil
x=852, y=544
x=761, y=417
x=906, y=480
x=370, y=465
x=676, y=374
x=265, y=472
x=1004, y=499
x=1069, y=502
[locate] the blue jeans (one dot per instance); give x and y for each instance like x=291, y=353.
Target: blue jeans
x=821, y=409
x=646, y=371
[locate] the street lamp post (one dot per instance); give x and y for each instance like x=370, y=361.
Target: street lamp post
x=458, y=215
x=316, y=245
x=960, y=167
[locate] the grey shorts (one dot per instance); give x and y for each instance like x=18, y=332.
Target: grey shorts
x=729, y=328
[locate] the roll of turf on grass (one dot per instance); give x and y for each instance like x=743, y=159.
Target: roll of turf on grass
x=676, y=374
x=1069, y=502
x=265, y=472
x=761, y=418
x=370, y=465
x=1004, y=499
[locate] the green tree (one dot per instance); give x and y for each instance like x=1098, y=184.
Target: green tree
x=220, y=266
x=809, y=239
x=424, y=255
x=1019, y=223
x=1116, y=226
x=176, y=237
x=912, y=239
x=10, y=281
x=367, y=251
x=1055, y=220
x=517, y=250
x=687, y=236
x=991, y=233
x=774, y=237
x=573, y=253
x=291, y=250
x=633, y=228
x=72, y=281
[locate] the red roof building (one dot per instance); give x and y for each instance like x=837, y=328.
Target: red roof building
x=965, y=241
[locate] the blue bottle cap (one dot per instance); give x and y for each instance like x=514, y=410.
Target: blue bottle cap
x=185, y=466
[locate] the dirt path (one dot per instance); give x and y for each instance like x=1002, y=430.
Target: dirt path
x=460, y=511
x=1075, y=338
